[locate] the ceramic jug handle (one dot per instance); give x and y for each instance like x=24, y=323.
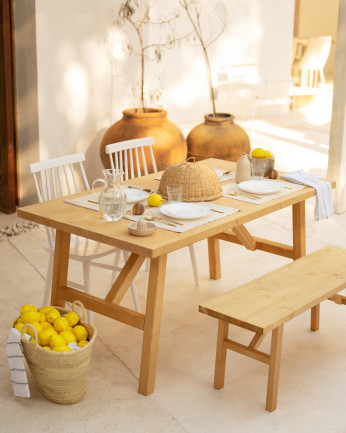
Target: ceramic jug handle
x=97, y=180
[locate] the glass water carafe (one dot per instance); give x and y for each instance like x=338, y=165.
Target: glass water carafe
x=112, y=198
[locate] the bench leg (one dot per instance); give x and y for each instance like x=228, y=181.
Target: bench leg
x=221, y=352
x=274, y=368
x=315, y=318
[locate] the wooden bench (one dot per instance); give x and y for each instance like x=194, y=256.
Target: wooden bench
x=266, y=303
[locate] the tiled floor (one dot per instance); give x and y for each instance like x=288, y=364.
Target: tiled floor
x=312, y=394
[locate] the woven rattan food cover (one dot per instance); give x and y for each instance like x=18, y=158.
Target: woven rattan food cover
x=201, y=183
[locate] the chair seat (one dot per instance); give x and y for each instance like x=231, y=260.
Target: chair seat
x=83, y=249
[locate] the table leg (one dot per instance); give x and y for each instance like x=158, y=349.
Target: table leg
x=298, y=227
x=214, y=258
x=60, y=267
x=152, y=324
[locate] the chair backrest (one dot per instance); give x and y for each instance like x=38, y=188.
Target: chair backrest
x=316, y=53
x=131, y=156
x=58, y=177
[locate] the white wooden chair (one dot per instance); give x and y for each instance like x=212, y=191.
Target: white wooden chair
x=314, y=56
x=56, y=178
x=129, y=156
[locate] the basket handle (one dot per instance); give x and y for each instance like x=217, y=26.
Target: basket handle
x=27, y=325
x=79, y=304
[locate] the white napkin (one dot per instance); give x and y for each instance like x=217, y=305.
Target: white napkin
x=15, y=359
x=324, y=202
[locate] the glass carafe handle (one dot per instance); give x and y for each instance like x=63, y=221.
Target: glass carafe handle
x=97, y=180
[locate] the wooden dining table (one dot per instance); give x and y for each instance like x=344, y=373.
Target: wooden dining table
x=68, y=219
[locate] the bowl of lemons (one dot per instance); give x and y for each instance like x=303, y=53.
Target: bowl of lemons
x=258, y=155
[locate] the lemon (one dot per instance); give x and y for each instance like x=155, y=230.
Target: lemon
x=42, y=318
x=154, y=200
x=20, y=320
x=68, y=336
x=56, y=340
x=52, y=315
x=30, y=316
x=267, y=154
x=27, y=307
x=45, y=335
x=80, y=332
x=82, y=343
x=258, y=152
x=60, y=324
x=63, y=348
x=46, y=325
x=72, y=318
x=45, y=310
x=47, y=347
x=19, y=326
x=37, y=326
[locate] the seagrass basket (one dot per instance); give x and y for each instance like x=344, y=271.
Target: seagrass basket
x=200, y=182
x=60, y=376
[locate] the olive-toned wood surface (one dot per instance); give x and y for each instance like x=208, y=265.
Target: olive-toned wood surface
x=68, y=219
x=268, y=302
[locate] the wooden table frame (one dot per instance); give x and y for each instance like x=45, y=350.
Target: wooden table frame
x=68, y=219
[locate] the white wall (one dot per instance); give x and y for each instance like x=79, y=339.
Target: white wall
x=83, y=87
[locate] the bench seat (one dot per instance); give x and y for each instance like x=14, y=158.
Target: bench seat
x=266, y=303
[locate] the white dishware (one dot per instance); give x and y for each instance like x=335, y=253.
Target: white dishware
x=185, y=211
x=135, y=195
x=261, y=186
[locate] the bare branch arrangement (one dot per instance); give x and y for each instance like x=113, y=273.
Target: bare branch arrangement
x=137, y=16
x=193, y=12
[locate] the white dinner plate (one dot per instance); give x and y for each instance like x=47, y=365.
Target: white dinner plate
x=133, y=195
x=261, y=186
x=185, y=211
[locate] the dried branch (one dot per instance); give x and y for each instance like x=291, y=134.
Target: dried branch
x=192, y=9
x=131, y=12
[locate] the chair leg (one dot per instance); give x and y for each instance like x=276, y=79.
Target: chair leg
x=194, y=263
x=133, y=287
x=116, y=265
x=323, y=79
x=274, y=368
x=86, y=275
x=48, y=286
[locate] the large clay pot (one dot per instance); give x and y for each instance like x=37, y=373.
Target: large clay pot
x=218, y=137
x=170, y=145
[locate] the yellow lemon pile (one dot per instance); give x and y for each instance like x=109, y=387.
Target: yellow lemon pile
x=261, y=153
x=54, y=332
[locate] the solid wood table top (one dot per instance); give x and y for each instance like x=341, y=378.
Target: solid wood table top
x=271, y=300
x=90, y=224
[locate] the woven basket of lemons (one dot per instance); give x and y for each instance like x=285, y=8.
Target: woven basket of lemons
x=60, y=376
x=200, y=182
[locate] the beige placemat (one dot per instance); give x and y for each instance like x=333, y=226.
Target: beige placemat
x=233, y=191
x=181, y=226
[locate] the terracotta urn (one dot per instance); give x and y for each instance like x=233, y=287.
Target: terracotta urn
x=170, y=145
x=218, y=137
